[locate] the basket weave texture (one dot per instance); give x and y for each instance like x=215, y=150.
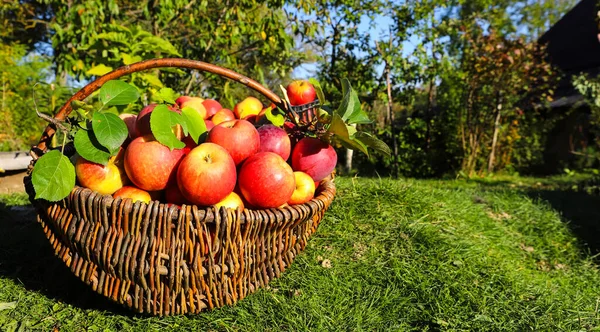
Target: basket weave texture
x=160, y=259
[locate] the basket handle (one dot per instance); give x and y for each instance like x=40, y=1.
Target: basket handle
x=87, y=90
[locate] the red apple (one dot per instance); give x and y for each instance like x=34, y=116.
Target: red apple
x=149, y=164
x=301, y=92
x=143, y=120
x=248, y=107
x=274, y=139
x=222, y=116
x=134, y=193
x=232, y=201
x=314, y=157
x=130, y=120
x=207, y=174
x=209, y=124
x=194, y=103
x=212, y=107
x=174, y=195
x=238, y=137
x=305, y=189
x=105, y=179
x=266, y=180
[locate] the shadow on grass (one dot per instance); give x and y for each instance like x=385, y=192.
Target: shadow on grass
x=577, y=200
x=27, y=258
x=580, y=210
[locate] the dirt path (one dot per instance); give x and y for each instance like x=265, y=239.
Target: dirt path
x=12, y=182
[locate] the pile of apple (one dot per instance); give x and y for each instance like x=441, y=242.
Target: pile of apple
x=237, y=166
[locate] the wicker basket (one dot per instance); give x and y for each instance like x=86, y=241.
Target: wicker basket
x=160, y=259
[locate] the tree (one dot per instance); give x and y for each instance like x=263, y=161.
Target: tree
x=19, y=125
x=91, y=37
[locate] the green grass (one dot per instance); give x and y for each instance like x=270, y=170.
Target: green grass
x=405, y=255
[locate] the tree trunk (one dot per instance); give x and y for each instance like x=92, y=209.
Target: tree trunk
x=495, y=137
x=349, y=154
x=391, y=115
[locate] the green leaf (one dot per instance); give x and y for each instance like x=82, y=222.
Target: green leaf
x=275, y=116
x=53, y=176
x=152, y=80
x=110, y=130
x=195, y=123
x=341, y=133
x=99, y=70
x=167, y=95
x=89, y=148
x=318, y=90
x=353, y=144
x=338, y=127
x=162, y=121
x=350, y=109
x=129, y=59
x=371, y=141
x=118, y=93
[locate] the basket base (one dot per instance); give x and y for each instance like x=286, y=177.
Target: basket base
x=139, y=256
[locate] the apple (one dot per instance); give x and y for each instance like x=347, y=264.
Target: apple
x=189, y=144
x=174, y=195
x=305, y=189
x=248, y=107
x=314, y=157
x=232, y=201
x=301, y=92
x=194, y=103
x=134, y=193
x=130, y=120
x=274, y=139
x=212, y=107
x=143, y=120
x=207, y=174
x=222, y=116
x=151, y=165
x=238, y=137
x=266, y=180
x=209, y=124
x=105, y=179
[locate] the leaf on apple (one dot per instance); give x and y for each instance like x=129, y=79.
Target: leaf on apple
x=372, y=142
x=53, y=176
x=115, y=92
x=275, y=116
x=110, y=130
x=342, y=134
x=167, y=96
x=318, y=90
x=195, y=123
x=162, y=121
x=88, y=147
x=350, y=109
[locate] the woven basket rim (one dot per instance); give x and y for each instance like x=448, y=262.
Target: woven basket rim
x=327, y=187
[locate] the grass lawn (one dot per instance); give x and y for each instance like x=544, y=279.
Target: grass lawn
x=504, y=254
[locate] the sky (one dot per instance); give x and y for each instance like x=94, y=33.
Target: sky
x=379, y=31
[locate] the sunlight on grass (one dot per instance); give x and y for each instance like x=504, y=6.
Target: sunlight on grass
x=390, y=255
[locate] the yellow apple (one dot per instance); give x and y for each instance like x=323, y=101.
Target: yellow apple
x=232, y=201
x=305, y=189
x=105, y=179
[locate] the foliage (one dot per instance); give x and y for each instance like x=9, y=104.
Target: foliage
x=19, y=124
x=503, y=79
x=91, y=37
